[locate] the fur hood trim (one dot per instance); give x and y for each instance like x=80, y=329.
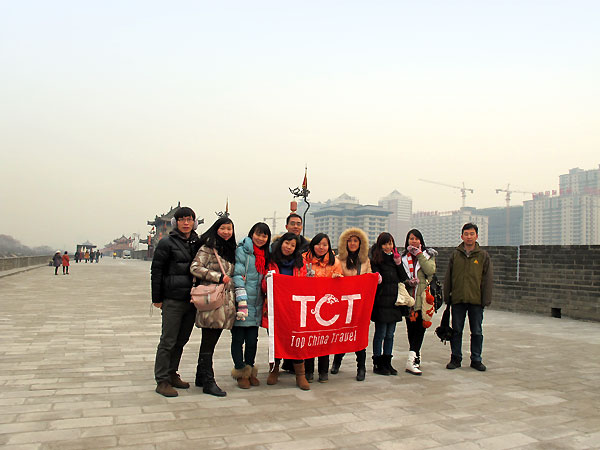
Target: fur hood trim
x=363, y=252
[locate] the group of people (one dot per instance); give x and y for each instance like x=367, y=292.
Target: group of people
x=183, y=259
x=58, y=260
x=88, y=256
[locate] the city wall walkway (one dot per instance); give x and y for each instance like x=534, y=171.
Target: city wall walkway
x=76, y=371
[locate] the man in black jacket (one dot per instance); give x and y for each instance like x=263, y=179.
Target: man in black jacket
x=171, y=284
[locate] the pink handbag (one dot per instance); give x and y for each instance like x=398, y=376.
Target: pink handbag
x=211, y=296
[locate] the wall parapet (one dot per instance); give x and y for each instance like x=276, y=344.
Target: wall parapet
x=15, y=262
x=543, y=279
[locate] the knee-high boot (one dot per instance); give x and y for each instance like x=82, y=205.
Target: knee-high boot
x=205, y=376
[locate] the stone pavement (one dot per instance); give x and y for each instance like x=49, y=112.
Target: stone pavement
x=76, y=371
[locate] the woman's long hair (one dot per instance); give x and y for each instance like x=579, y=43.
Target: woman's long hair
x=211, y=239
x=315, y=241
x=418, y=235
x=277, y=256
x=376, y=250
x=262, y=228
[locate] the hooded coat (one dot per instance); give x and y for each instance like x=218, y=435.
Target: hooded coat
x=363, y=252
x=245, y=276
x=57, y=259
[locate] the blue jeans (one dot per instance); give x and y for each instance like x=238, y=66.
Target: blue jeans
x=240, y=337
x=459, y=312
x=384, y=335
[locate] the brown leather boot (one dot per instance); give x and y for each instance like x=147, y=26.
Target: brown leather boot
x=164, y=388
x=273, y=373
x=253, y=380
x=242, y=376
x=177, y=382
x=300, y=378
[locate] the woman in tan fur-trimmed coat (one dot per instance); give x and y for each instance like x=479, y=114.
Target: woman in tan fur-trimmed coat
x=219, y=239
x=353, y=249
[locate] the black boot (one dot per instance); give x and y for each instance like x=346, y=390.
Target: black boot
x=387, y=360
x=337, y=362
x=361, y=370
x=379, y=367
x=205, y=376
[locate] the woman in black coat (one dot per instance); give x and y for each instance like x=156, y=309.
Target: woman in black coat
x=386, y=261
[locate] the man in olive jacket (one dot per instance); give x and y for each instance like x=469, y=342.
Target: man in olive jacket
x=171, y=282
x=468, y=289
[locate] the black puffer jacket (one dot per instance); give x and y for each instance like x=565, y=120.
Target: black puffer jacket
x=384, y=309
x=170, y=270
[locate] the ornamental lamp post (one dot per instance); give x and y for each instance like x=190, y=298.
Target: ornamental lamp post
x=301, y=192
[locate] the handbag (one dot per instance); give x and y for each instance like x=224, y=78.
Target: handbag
x=404, y=298
x=211, y=296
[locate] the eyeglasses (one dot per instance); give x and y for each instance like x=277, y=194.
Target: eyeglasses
x=186, y=219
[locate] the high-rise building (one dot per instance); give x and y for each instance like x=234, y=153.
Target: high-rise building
x=497, y=224
x=569, y=217
x=334, y=216
x=401, y=208
x=442, y=229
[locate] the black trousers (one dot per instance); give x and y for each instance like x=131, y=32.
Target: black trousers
x=323, y=367
x=416, y=333
x=178, y=319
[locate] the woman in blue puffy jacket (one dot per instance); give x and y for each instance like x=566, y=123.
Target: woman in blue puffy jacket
x=251, y=262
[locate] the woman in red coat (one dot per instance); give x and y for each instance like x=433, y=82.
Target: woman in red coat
x=65, y=263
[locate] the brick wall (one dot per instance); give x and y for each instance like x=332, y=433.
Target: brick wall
x=549, y=276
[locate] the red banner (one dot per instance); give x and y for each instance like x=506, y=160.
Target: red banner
x=311, y=317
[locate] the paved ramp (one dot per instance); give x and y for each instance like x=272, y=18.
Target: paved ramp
x=76, y=372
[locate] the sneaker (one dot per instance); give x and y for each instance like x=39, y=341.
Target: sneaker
x=453, y=364
x=323, y=377
x=478, y=365
x=165, y=389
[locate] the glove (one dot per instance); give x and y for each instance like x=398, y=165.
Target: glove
x=414, y=250
x=242, y=310
x=379, y=279
x=413, y=282
x=309, y=271
x=397, y=257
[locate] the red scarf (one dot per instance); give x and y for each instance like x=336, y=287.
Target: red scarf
x=259, y=260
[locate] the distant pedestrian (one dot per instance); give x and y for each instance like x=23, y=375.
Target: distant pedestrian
x=65, y=263
x=97, y=256
x=468, y=289
x=86, y=256
x=77, y=256
x=56, y=261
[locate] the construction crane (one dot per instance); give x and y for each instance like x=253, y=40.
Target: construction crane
x=274, y=219
x=463, y=189
x=509, y=191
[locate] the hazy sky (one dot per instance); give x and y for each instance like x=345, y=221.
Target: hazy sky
x=113, y=111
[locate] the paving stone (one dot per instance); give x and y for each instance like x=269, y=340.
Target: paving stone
x=86, y=381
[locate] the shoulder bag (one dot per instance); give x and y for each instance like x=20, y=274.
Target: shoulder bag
x=211, y=296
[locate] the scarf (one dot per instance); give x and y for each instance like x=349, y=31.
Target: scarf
x=259, y=260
